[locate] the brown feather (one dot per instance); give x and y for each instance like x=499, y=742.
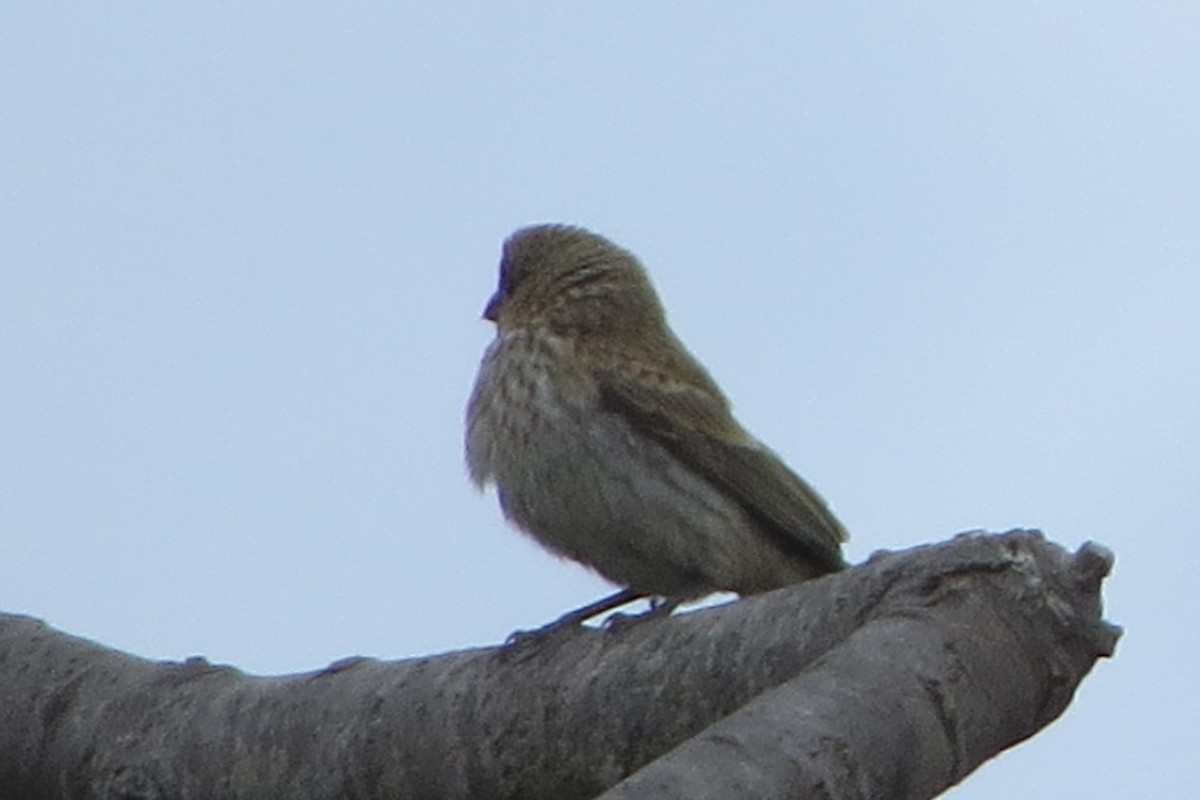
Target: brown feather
x=697, y=428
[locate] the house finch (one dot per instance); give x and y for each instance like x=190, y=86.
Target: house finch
x=611, y=445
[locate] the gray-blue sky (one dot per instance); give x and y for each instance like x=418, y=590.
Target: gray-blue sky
x=943, y=259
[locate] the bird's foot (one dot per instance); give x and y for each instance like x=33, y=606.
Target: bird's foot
x=573, y=620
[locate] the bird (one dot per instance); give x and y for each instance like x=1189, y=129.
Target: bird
x=611, y=445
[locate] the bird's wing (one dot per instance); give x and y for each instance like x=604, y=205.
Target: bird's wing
x=692, y=421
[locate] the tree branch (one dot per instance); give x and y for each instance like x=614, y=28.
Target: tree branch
x=893, y=679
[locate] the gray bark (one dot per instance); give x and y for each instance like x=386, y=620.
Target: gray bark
x=894, y=679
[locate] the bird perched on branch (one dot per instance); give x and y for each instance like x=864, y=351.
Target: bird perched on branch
x=611, y=445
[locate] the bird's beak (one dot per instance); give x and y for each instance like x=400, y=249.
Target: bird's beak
x=492, y=310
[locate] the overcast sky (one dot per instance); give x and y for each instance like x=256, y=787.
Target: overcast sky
x=941, y=256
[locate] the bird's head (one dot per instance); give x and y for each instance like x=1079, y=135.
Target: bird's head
x=574, y=282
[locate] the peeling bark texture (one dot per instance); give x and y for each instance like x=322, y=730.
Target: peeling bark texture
x=894, y=679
